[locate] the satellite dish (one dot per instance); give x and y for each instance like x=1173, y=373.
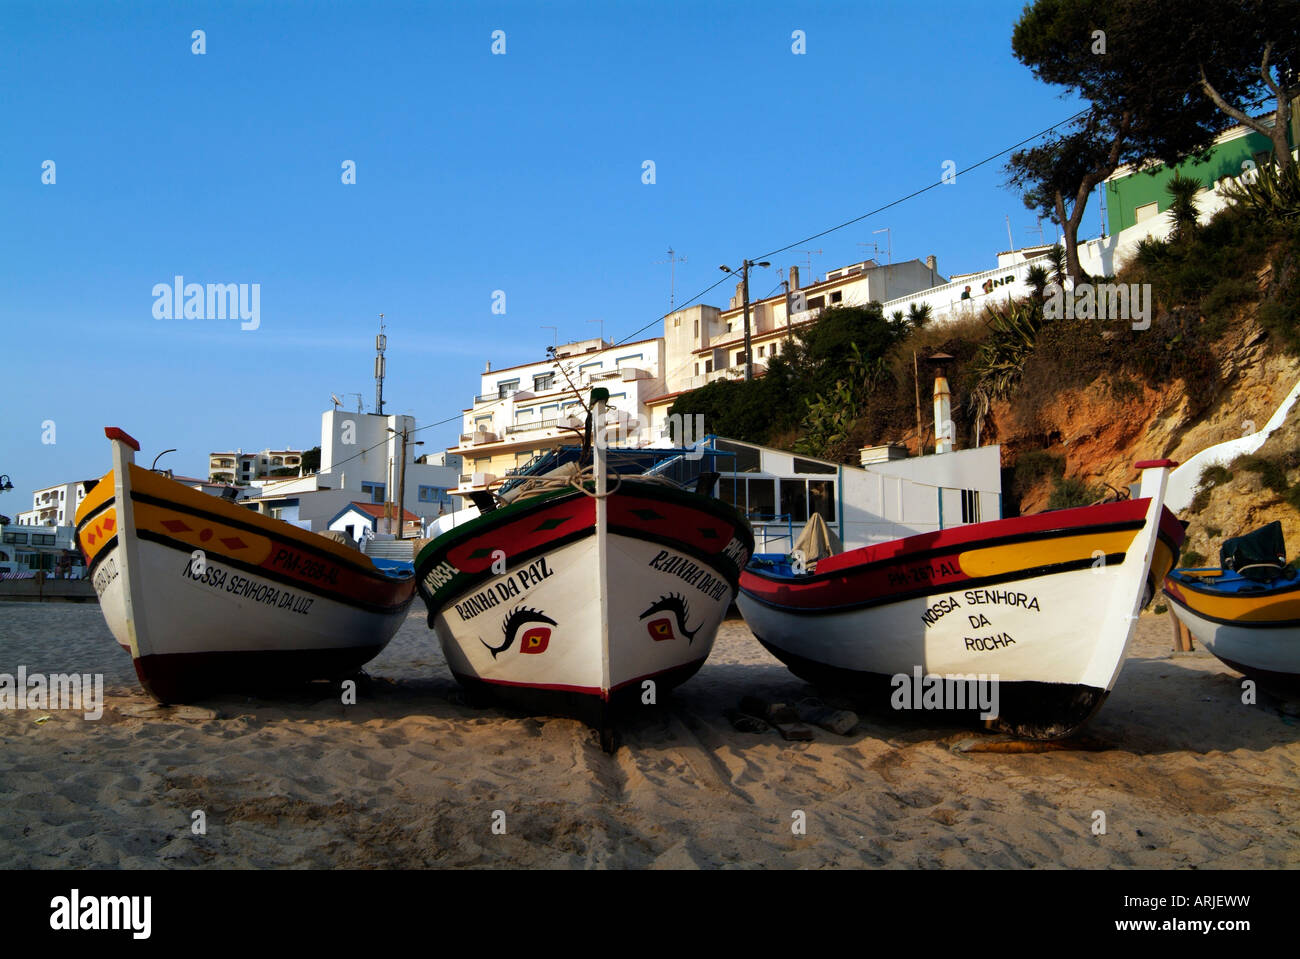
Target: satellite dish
x=337, y=402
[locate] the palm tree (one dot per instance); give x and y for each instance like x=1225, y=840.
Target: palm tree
x=1037, y=278
x=1056, y=256
x=1182, y=192
x=918, y=316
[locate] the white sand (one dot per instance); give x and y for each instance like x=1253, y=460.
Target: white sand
x=411, y=776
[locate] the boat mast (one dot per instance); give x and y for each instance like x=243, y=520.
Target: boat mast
x=596, y=423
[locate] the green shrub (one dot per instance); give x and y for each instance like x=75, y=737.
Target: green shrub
x=1192, y=559
x=1072, y=492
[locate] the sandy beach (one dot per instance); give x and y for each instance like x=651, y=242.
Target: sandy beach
x=1186, y=775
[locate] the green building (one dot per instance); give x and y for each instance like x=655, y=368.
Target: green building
x=1136, y=195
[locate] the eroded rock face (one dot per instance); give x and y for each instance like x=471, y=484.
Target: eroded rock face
x=1100, y=436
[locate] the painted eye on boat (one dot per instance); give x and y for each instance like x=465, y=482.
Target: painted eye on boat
x=535, y=640
x=661, y=628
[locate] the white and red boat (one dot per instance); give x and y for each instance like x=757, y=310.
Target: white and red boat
x=1043, y=606
x=209, y=597
x=596, y=590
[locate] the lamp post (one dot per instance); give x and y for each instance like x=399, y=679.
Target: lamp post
x=5, y=485
x=744, y=282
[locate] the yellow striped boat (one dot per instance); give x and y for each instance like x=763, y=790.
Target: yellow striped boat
x=208, y=596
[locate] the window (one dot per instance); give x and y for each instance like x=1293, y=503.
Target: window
x=1145, y=212
x=837, y=296
x=794, y=499
x=762, y=498
x=508, y=388
x=42, y=539
x=808, y=466
x=434, y=494
x=697, y=329
x=970, y=506
x=16, y=538
x=821, y=499
x=760, y=352
x=746, y=459
x=376, y=491
x=740, y=357
x=543, y=381
x=697, y=369
x=708, y=366
x=817, y=302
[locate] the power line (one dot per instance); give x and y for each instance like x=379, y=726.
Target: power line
x=871, y=213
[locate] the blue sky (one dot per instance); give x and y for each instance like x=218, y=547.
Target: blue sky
x=474, y=173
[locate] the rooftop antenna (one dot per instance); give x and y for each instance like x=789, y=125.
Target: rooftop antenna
x=555, y=344
x=812, y=278
x=1037, y=228
x=889, y=242
x=358, y=396
x=875, y=248
x=1010, y=241
x=337, y=402
x=381, y=344
x=602, y=330
x=673, y=260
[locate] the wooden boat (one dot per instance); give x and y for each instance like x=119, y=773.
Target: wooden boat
x=1041, y=607
x=589, y=593
x=1247, y=615
x=208, y=596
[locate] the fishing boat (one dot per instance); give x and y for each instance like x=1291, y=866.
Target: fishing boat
x=208, y=596
x=1036, y=611
x=1246, y=611
x=584, y=588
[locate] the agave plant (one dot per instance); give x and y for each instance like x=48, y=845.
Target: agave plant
x=1150, y=251
x=1182, y=192
x=1269, y=194
x=1001, y=358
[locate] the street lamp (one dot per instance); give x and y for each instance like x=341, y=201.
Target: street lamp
x=744, y=282
x=5, y=485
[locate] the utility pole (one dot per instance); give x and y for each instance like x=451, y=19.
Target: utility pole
x=744, y=282
x=401, y=485
x=785, y=281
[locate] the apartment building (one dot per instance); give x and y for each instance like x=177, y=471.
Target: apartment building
x=241, y=467
x=55, y=505
x=525, y=410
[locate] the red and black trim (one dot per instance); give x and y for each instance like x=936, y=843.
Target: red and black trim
x=919, y=565
x=696, y=525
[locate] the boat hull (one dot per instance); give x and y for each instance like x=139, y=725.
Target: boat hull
x=208, y=597
x=1040, y=608
x=532, y=605
x=1256, y=633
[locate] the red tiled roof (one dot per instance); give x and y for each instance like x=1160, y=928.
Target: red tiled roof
x=377, y=511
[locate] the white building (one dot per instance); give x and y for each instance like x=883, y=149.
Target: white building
x=361, y=460
x=705, y=343
x=879, y=501
x=55, y=505
x=524, y=410
x=241, y=467
x=25, y=550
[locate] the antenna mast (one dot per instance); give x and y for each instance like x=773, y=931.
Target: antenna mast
x=673, y=259
x=381, y=344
